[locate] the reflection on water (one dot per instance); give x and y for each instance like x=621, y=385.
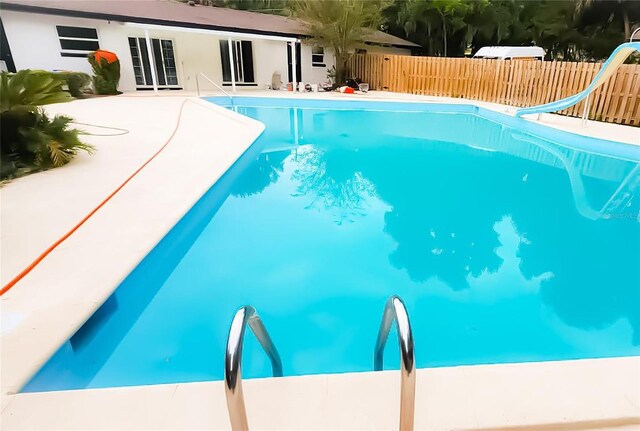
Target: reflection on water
x=445, y=228
x=505, y=247
x=331, y=186
x=507, y=280
x=265, y=170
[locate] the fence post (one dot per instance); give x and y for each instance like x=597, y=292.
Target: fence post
x=585, y=113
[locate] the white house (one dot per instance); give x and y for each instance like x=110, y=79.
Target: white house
x=165, y=44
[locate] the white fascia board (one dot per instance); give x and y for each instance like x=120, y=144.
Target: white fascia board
x=213, y=32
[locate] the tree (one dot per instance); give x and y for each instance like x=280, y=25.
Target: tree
x=566, y=29
x=575, y=30
x=623, y=10
x=339, y=25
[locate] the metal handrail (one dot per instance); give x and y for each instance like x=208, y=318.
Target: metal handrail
x=395, y=310
x=213, y=82
x=233, y=362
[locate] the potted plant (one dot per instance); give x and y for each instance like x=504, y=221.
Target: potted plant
x=106, y=71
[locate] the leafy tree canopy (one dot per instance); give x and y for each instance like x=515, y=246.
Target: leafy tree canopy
x=566, y=29
x=340, y=25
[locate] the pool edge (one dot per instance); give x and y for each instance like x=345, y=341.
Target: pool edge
x=577, y=394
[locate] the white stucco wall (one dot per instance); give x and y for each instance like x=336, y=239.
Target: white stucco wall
x=34, y=44
x=200, y=52
x=310, y=73
x=194, y=52
x=269, y=56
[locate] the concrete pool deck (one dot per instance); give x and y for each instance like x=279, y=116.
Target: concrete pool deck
x=54, y=299
x=80, y=274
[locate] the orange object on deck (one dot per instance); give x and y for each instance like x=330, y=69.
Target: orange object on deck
x=107, y=55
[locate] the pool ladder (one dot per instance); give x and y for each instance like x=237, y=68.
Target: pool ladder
x=394, y=310
x=216, y=85
x=233, y=362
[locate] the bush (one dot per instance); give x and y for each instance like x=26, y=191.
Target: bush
x=30, y=88
x=32, y=142
x=29, y=140
x=78, y=83
x=106, y=72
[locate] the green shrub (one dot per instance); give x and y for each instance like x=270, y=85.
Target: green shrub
x=29, y=140
x=78, y=83
x=106, y=72
x=28, y=89
x=32, y=142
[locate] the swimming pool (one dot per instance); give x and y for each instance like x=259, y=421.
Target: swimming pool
x=508, y=242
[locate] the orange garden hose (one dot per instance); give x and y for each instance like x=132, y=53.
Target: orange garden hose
x=53, y=246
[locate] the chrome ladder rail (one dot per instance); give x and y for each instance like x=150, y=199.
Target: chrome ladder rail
x=213, y=82
x=233, y=362
x=395, y=310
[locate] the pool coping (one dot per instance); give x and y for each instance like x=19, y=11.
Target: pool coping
x=579, y=394
x=41, y=334
x=602, y=145
x=593, y=129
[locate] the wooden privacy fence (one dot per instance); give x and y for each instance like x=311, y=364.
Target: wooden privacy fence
x=515, y=82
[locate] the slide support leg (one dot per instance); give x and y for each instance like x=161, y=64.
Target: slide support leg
x=585, y=113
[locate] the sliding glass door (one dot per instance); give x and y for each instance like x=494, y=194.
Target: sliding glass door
x=242, y=62
x=162, y=59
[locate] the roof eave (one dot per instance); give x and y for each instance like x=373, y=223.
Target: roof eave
x=393, y=45
x=139, y=20
x=154, y=21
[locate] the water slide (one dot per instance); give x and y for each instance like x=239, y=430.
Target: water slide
x=618, y=56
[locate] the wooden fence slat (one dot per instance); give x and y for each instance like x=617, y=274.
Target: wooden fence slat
x=624, y=95
x=540, y=85
x=634, y=105
x=570, y=86
x=580, y=85
x=614, y=88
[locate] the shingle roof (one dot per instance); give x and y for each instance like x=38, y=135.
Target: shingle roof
x=167, y=12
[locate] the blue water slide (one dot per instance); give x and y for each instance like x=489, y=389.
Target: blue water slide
x=618, y=56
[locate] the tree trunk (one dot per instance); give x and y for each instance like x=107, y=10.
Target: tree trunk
x=444, y=33
x=445, y=42
x=627, y=25
x=341, y=67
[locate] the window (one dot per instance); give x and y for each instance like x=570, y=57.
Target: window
x=162, y=59
x=242, y=61
x=77, y=41
x=317, y=56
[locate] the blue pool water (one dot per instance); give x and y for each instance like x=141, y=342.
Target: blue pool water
x=508, y=241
